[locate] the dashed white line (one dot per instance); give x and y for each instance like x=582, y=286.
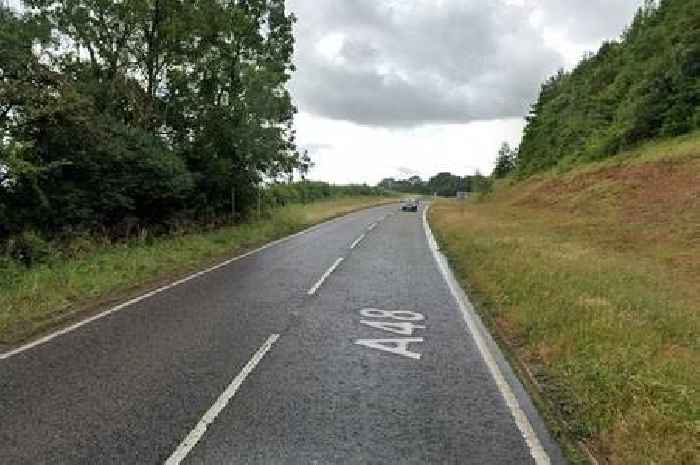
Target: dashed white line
x=372, y=226
x=198, y=431
x=325, y=276
x=358, y=240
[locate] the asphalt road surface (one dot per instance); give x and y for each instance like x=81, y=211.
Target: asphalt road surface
x=342, y=345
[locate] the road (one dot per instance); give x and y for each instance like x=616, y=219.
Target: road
x=341, y=345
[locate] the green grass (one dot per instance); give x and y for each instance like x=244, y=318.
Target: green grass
x=36, y=299
x=591, y=280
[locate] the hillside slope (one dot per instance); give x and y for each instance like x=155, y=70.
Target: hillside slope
x=592, y=279
x=642, y=86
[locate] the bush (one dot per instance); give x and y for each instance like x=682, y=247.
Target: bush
x=28, y=248
x=310, y=191
x=102, y=145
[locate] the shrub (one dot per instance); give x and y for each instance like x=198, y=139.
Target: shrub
x=28, y=248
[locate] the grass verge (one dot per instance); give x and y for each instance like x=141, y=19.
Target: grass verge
x=591, y=280
x=36, y=299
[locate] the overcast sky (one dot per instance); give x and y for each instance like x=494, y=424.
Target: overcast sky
x=392, y=88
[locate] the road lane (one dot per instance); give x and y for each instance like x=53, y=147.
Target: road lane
x=321, y=398
x=128, y=387
x=349, y=379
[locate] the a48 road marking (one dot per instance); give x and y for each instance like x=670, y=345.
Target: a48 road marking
x=401, y=322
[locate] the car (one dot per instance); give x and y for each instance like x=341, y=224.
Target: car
x=409, y=205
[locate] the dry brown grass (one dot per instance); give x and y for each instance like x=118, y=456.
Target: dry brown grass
x=592, y=278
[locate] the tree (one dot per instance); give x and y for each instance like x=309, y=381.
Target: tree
x=643, y=86
x=445, y=184
x=480, y=183
x=505, y=162
x=143, y=110
x=415, y=180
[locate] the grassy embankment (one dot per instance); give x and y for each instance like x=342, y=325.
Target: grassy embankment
x=33, y=300
x=591, y=278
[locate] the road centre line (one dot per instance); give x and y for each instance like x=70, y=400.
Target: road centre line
x=198, y=431
x=325, y=276
x=358, y=240
x=527, y=431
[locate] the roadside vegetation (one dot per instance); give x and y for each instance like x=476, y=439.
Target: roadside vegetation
x=87, y=273
x=583, y=255
x=137, y=141
x=643, y=86
x=590, y=278
x=443, y=184
x=120, y=116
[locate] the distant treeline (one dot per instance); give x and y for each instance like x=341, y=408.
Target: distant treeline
x=309, y=191
x=442, y=184
x=143, y=112
x=645, y=85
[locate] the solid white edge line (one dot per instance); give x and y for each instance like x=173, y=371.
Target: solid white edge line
x=358, y=240
x=522, y=422
x=325, y=276
x=198, y=431
x=109, y=311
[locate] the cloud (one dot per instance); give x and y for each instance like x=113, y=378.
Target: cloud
x=378, y=79
x=405, y=63
x=370, y=153
x=406, y=172
x=315, y=148
x=585, y=21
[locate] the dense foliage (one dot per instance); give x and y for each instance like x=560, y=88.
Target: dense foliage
x=442, y=184
x=505, y=161
x=645, y=85
x=309, y=191
x=141, y=112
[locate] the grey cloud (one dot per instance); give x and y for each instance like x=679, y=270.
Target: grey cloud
x=359, y=52
x=588, y=20
x=315, y=148
x=413, y=62
x=407, y=172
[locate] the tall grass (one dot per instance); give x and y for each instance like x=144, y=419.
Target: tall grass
x=36, y=298
x=592, y=280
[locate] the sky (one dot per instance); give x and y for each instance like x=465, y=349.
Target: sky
x=396, y=88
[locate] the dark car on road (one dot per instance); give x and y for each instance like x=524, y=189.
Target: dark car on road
x=409, y=205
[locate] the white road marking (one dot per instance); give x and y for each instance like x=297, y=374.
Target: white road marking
x=404, y=328
x=398, y=346
x=372, y=226
x=73, y=327
x=325, y=276
x=401, y=315
x=522, y=422
x=358, y=240
x=198, y=431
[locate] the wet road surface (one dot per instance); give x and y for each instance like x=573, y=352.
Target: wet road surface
x=342, y=345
